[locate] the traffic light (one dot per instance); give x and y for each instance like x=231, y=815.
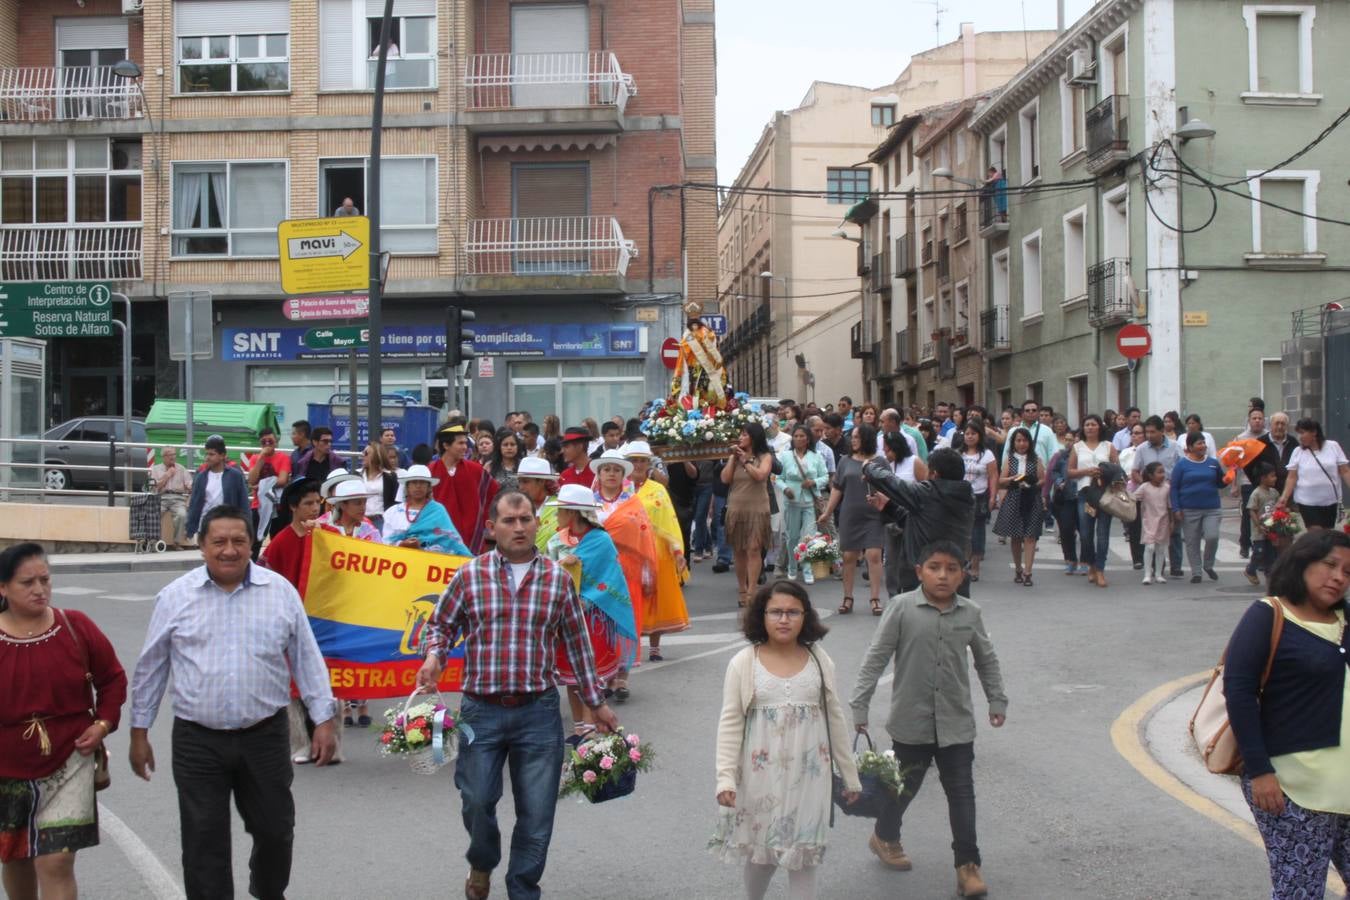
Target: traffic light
x=458, y=339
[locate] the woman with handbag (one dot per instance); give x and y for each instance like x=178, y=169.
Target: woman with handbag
x=63, y=695
x=1022, y=512
x=862, y=531
x=1289, y=709
x=1094, y=526
x=804, y=482
x=779, y=702
x=1196, y=480
x=982, y=473
x=1316, y=470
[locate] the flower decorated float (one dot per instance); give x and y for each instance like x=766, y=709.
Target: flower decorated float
x=702, y=417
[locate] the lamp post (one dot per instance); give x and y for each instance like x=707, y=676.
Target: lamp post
x=944, y=172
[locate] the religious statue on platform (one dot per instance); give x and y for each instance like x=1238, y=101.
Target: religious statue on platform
x=699, y=372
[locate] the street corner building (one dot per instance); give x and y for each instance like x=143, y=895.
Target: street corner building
x=531, y=160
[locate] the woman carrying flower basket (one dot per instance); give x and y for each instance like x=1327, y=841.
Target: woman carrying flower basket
x=580, y=541
x=779, y=703
x=805, y=482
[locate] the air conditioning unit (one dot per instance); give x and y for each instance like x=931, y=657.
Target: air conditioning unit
x=132, y=7
x=1081, y=66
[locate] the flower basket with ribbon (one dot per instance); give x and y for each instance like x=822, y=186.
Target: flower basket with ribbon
x=425, y=733
x=881, y=780
x=605, y=766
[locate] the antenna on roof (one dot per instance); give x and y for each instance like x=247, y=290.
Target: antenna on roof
x=938, y=10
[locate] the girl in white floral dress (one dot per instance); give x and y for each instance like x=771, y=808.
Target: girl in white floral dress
x=774, y=744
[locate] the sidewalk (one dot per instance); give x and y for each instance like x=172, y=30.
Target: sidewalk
x=124, y=561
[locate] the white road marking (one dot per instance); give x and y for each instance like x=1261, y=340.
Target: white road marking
x=131, y=598
x=653, y=667
x=721, y=637
x=72, y=591
x=162, y=884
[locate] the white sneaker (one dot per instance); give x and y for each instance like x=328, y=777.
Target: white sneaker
x=808, y=576
x=1160, y=578
x=1148, y=579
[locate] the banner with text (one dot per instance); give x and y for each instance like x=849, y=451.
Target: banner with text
x=369, y=606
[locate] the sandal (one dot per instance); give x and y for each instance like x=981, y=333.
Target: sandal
x=741, y=601
x=655, y=656
x=846, y=607
x=1026, y=582
x=1017, y=579
x=876, y=606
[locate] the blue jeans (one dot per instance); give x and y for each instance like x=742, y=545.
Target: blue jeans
x=799, y=523
x=1263, y=556
x=701, y=537
x=529, y=739
x=1094, y=536
x=719, y=527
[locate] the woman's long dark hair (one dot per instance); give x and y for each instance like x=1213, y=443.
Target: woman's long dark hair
x=1026, y=497
x=14, y=557
x=759, y=444
x=754, y=628
x=867, y=438
x=495, y=465
x=898, y=445
x=810, y=436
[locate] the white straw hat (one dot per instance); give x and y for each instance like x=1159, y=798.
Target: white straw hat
x=418, y=473
x=612, y=458
x=534, y=467
x=350, y=489
x=637, y=450
x=335, y=477
x=576, y=496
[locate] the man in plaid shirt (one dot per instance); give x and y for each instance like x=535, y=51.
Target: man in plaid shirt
x=511, y=606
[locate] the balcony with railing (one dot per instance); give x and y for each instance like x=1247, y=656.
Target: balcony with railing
x=904, y=256
x=881, y=272
x=944, y=262
x=1109, y=301
x=928, y=351
x=961, y=338
x=993, y=211
x=95, y=252
x=66, y=94
x=514, y=92
x=567, y=253
x=926, y=257
x=995, y=337
x=1108, y=135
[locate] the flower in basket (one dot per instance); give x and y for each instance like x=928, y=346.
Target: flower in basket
x=411, y=731
x=884, y=767
x=1283, y=524
x=816, y=548
x=604, y=766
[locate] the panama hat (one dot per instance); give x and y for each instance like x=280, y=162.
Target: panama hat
x=534, y=467
x=350, y=489
x=576, y=496
x=612, y=458
x=636, y=450
x=418, y=473
x=335, y=477
x=576, y=433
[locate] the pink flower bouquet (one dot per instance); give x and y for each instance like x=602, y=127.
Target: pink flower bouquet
x=605, y=766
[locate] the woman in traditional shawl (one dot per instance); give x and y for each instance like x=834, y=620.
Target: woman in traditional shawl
x=665, y=611
x=588, y=552
x=419, y=521
x=625, y=519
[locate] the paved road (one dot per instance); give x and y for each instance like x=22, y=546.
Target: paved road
x=1062, y=814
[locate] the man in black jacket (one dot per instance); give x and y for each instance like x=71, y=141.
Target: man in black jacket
x=939, y=509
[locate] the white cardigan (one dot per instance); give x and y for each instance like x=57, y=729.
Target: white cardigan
x=739, y=690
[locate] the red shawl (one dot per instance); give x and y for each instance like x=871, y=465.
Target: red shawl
x=467, y=496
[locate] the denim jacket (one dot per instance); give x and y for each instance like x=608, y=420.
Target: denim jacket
x=1061, y=486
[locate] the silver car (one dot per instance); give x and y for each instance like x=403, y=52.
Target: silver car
x=84, y=442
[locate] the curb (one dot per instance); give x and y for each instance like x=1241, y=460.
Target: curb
x=124, y=567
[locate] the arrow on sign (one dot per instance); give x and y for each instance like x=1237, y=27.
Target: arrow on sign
x=341, y=244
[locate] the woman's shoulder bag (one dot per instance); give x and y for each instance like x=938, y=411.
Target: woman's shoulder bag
x=102, y=775
x=1209, y=727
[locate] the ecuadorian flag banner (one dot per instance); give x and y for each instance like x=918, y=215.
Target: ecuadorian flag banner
x=369, y=605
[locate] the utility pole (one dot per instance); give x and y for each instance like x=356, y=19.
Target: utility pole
x=374, y=408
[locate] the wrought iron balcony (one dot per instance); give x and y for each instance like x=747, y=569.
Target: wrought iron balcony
x=927, y=257
x=1109, y=301
x=96, y=252
x=546, y=91
x=929, y=351
x=993, y=211
x=558, y=245
x=994, y=337
x=1108, y=136
x=66, y=93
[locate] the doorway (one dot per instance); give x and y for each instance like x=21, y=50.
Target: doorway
x=342, y=179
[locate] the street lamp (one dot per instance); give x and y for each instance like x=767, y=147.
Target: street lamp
x=944, y=172
x=1194, y=129
x=128, y=70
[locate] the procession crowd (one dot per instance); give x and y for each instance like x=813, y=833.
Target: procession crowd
x=576, y=544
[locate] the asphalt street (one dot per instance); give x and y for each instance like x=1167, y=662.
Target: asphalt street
x=1062, y=813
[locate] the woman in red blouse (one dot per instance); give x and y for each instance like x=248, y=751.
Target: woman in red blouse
x=50, y=725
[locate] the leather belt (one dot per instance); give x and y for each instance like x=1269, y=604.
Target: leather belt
x=510, y=701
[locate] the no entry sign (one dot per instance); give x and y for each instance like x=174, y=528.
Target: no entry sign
x=1134, y=342
x=670, y=353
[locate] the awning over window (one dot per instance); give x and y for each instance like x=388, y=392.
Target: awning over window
x=548, y=142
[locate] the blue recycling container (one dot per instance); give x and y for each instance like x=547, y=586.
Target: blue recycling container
x=413, y=423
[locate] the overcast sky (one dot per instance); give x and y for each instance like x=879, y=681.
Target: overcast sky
x=769, y=51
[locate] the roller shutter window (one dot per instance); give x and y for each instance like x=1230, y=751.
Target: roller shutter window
x=337, y=56
x=549, y=43
x=550, y=206
x=234, y=46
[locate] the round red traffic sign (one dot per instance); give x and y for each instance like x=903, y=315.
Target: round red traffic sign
x=670, y=352
x=1134, y=342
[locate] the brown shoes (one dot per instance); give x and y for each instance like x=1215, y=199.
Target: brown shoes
x=891, y=854
x=969, y=882
x=477, y=885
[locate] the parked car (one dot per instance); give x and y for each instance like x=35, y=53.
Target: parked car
x=84, y=442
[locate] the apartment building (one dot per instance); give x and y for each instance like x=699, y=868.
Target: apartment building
x=1216, y=275
x=521, y=143
x=788, y=280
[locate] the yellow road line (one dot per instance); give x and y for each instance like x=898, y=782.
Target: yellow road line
x=1127, y=736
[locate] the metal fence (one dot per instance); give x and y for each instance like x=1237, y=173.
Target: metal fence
x=49, y=93
x=95, y=252
x=546, y=80
x=555, y=245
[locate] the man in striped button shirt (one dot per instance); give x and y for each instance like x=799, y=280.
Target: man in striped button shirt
x=233, y=635
x=512, y=606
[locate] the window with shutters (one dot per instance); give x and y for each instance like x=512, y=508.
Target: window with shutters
x=550, y=209
x=237, y=46
x=1280, y=54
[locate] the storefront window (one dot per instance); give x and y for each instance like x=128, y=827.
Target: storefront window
x=575, y=390
x=292, y=388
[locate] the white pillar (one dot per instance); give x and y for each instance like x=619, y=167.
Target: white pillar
x=1163, y=245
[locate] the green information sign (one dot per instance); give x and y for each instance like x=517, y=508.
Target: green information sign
x=344, y=338
x=55, y=309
